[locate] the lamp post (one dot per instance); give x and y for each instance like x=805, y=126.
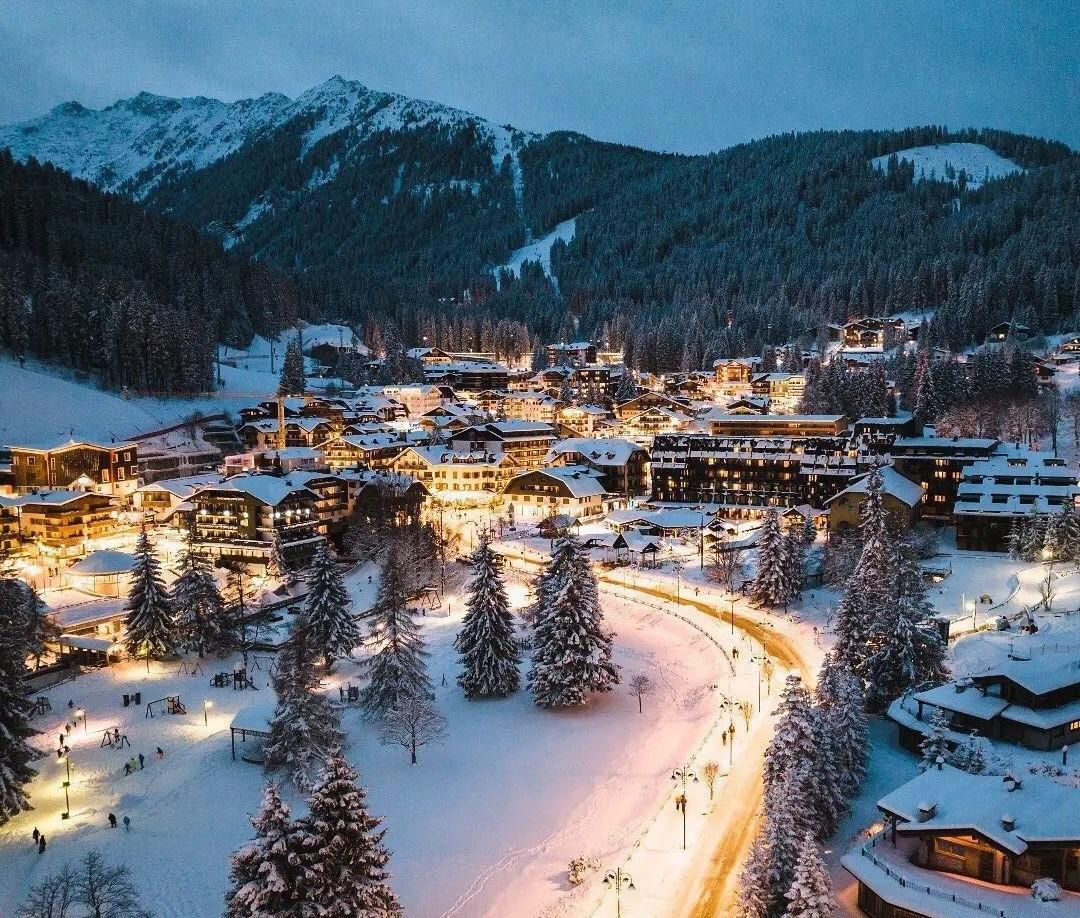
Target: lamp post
x=731, y=743
x=617, y=879
x=66, y=784
x=80, y=712
x=731, y=599
x=683, y=775
x=206, y=704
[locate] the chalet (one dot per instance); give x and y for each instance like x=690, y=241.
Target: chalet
x=887, y=427
x=784, y=390
x=735, y=371
x=239, y=519
x=597, y=382
x=531, y=406
x=622, y=465
x=995, y=494
x=1005, y=331
x=655, y=420
x=333, y=496
x=1032, y=699
x=583, y=420
x=900, y=496
x=722, y=423
x=165, y=498
x=64, y=523
x=436, y=356
x=299, y=431
x=384, y=497
x=108, y=469
x=748, y=404
x=447, y=473
x=875, y=332
x=937, y=464
x=956, y=842
x=468, y=376
x=570, y=490
x=372, y=450
x=417, y=399
x=525, y=442
x=575, y=354
x=633, y=408
x=450, y=417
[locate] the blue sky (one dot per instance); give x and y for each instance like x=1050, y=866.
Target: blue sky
x=686, y=76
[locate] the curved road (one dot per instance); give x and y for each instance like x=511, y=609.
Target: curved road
x=711, y=892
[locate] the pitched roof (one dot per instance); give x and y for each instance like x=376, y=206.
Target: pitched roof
x=267, y=489
x=601, y=450
x=892, y=482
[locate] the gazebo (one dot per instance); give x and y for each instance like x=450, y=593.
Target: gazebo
x=254, y=720
x=104, y=572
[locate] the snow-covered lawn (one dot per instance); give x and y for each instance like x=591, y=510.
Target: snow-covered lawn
x=484, y=825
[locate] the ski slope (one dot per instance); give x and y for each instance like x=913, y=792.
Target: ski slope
x=978, y=161
x=540, y=250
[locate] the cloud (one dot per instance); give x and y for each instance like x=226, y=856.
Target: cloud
x=682, y=76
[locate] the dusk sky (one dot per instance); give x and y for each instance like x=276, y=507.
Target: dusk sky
x=685, y=76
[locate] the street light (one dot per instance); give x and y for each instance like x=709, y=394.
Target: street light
x=617, y=879
x=683, y=775
x=206, y=704
x=731, y=743
x=81, y=713
x=732, y=601
x=66, y=784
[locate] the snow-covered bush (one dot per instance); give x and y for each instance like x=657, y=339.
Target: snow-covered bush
x=580, y=868
x=1045, y=890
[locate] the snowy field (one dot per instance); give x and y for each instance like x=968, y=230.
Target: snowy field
x=977, y=160
x=484, y=825
x=540, y=250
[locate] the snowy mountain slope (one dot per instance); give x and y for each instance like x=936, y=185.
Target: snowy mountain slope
x=135, y=144
x=979, y=162
x=540, y=250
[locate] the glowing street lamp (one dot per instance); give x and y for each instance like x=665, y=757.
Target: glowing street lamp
x=206, y=704
x=67, y=784
x=617, y=879
x=81, y=713
x=683, y=775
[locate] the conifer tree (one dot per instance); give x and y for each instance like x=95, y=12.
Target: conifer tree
x=571, y=650
x=342, y=857
x=293, y=381
x=201, y=625
x=15, y=730
x=149, y=626
x=276, y=566
x=774, y=583
x=306, y=724
x=398, y=667
x=810, y=895
x=845, y=719
x=486, y=642
x=976, y=756
x=770, y=867
x=934, y=745
x=627, y=388
x=263, y=873
x=1068, y=528
x=327, y=615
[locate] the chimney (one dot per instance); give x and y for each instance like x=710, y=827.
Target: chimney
x=1008, y=822
x=926, y=810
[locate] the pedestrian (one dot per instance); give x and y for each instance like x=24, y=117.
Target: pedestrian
x=127, y=767
x=369, y=578
x=71, y=704
x=160, y=753
x=127, y=823
x=116, y=734
x=723, y=737
x=112, y=820
x=41, y=844
x=36, y=834
x=142, y=761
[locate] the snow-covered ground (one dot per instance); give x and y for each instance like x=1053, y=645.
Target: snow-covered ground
x=484, y=825
x=977, y=160
x=540, y=250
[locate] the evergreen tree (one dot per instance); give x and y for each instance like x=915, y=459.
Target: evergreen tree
x=149, y=626
x=398, y=667
x=1068, y=528
x=976, y=756
x=201, y=625
x=774, y=583
x=263, y=873
x=627, y=388
x=342, y=857
x=327, y=616
x=810, y=895
x=571, y=649
x=293, y=381
x=770, y=867
x=276, y=566
x=486, y=642
x=306, y=724
x=15, y=704
x=934, y=744
x=841, y=706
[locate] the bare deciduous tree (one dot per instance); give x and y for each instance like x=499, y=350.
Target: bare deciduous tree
x=747, y=711
x=724, y=565
x=710, y=771
x=94, y=889
x=413, y=723
x=640, y=686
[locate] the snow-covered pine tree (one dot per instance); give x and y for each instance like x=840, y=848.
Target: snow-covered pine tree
x=398, y=666
x=486, y=642
x=770, y=867
x=773, y=584
x=627, y=388
x=263, y=873
x=342, y=857
x=934, y=744
x=15, y=730
x=830, y=780
x=1068, y=528
x=293, y=381
x=201, y=625
x=571, y=649
x=903, y=648
x=149, y=626
x=810, y=895
x=795, y=561
x=306, y=724
x=1034, y=534
x=869, y=588
x=276, y=566
x=327, y=614
x=976, y=756
x=794, y=736
x=1015, y=539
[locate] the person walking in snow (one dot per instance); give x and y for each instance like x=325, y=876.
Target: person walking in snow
x=127, y=767
x=36, y=834
x=112, y=820
x=41, y=844
x=127, y=823
x=160, y=753
x=142, y=761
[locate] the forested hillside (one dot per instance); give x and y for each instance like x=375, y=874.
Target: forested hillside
x=386, y=210
x=97, y=282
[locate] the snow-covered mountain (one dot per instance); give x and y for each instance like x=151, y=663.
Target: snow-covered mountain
x=136, y=144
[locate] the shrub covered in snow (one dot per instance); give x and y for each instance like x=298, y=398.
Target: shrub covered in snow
x=1046, y=890
x=580, y=868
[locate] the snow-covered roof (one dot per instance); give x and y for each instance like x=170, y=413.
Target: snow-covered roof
x=970, y=701
x=665, y=518
x=1043, y=810
x=102, y=563
x=50, y=446
x=443, y=455
x=577, y=479
x=86, y=642
x=1041, y=674
x=56, y=498
x=183, y=487
x=267, y=489
x=892, y=482
x=980, y=443
x=256, y=717
x=601, y=450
